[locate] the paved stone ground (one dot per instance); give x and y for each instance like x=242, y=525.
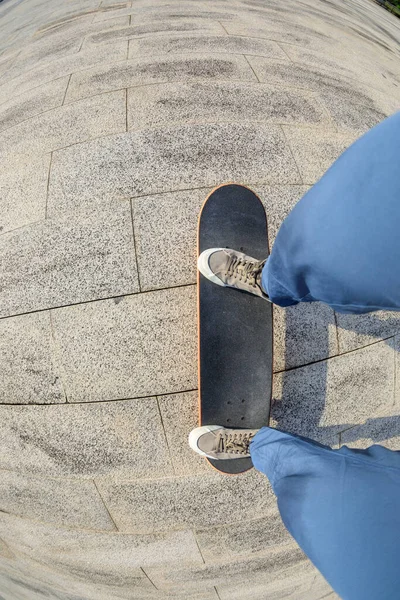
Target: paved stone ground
x=115, y=121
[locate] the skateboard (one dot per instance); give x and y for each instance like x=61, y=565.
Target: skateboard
x=235, y=328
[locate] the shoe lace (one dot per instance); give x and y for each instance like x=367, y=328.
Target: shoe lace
x=246, y=270
x=234, y=443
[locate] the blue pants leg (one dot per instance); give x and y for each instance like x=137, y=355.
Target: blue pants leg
x=341, y=506
x=341, y=242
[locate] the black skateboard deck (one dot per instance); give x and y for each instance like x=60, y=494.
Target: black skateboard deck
x=235, y=328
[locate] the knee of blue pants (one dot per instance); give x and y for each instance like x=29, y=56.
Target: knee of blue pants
x=341, y=243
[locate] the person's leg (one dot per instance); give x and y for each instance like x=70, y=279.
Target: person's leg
x=341, y=243
x=341, y=506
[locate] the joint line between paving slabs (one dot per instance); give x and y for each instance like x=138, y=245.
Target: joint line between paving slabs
x=248, y=62
x=165, y=436
x=197, y=544
x=135, y=246
x=216, y=592
x=147, y=577
x=337, y=331
x=48, y=185
x=105, y=505
x=291, y=152
x=223, y=27
x=284, y=51
x=65, y=95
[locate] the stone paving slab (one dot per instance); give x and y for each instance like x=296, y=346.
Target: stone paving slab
x=290, y=589
x=242, y=539
x=351, y=117
x=85, y=440
x=303, y=334
x=67, y=260
x=53, y=501
x=178, y=67
x=161, y=160
x=166, y=104
x=23, y=191
x=180, y=414
x=302, y=76
x=166, y=225
x=180, y=502
x=66, y=125
x=33, y=102
x=322, y=399
x=27, y=364
x=315, y=150
x=356, y=331
x=112, y=349
x=167, y=27
x=382, y=429
x=88, y=58
x=91, y=552
x=235, y=572
x=193, y=42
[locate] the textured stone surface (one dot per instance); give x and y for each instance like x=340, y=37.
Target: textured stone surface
x=91, y=551
x=111, y=349
x=53, y=501
x=66, y=260
x=156, y=28
x=159, y=160
x=33, y=102
x=325, y=398
x=29, y=370
x=315, y=151
x=77, y=122
x=234, y=572
x=213, y=102
x=39, y=75
x=242, y=539
x=165, y=225
x=356, y=331
x=85, y=440
x=303, y=334
x=204, y=43
x=185, y=501
x=152, y=70
x=179, y=413
x=183, y=77
x=23, y=190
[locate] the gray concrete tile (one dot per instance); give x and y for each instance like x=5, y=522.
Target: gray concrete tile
x=291, y=588
x=351, y=117
x=33, y=102
x=66, y=125
x=166, y=225
x=236, y=572
x=356, y=331
x=30, y=374
x=382, y=429
x=90, y=552
x=176, y=44
x=53, y=501
x=113, y=348
x=101, y=54
x=23, y=191
x=158, y=27
x=85, y=440
x=315, y=150
x=179, y=413
x=242, y=539
x=166, y=104
x=160, y=160
x=323, y=399
x=177, y=67
x=308, y=77
x=80, y=583
x=303, y=334
x=60, y=261
x=170, y=503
